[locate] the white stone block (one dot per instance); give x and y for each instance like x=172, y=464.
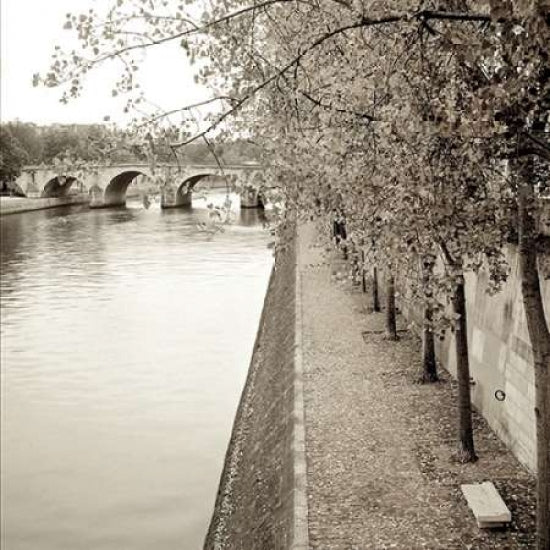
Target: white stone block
x=486, y=504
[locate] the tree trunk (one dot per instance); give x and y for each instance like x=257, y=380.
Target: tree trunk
x=391, y=323
x=539, y=335
x=466, y=451
x=375, y=294
x=363, y=274
x=429, y=368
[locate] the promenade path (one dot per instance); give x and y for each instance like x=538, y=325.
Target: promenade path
x=378, y=444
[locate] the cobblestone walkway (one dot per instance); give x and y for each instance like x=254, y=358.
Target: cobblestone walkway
x=379, y=445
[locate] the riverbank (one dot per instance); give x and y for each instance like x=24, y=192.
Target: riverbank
x=379, y=445
x=257, y=494
x=17, y=205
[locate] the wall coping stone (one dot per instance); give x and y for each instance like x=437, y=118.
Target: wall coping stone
x=300, y=534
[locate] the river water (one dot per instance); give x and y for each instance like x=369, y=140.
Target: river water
x=126, y=337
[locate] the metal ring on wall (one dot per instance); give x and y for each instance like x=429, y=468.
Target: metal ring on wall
x=500, y=395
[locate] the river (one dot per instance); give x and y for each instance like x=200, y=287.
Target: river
x=126, y=337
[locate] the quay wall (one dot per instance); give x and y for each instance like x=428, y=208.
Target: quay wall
x=16, y=205
x=258, y=497
x=501, y=361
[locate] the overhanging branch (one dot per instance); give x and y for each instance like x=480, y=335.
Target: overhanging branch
x=330, y=107
x=424, y=15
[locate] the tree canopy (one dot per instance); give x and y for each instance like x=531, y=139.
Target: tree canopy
x=12, y=157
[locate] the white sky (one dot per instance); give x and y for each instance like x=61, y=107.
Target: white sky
x=29, y=31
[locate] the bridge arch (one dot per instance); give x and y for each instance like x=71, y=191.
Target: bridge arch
x=189, y=183
x=58, y=187
x=115, y=192
x=12, y=189
x=181, y=196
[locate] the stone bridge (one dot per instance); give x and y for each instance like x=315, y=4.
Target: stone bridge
x=107, y=184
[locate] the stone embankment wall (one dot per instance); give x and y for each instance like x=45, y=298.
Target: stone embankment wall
x=16, y=205
x=501, y=361
x=257, y=497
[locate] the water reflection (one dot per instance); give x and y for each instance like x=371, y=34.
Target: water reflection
x=126, y=336
x=251, y=216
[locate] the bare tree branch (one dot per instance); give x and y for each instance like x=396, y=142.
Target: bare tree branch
x=329, y=107
x=186, y=108
x=451, y=16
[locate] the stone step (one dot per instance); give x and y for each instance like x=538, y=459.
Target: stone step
x=487, y=505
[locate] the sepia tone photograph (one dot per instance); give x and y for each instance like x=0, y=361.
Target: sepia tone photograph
x=274, y=275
